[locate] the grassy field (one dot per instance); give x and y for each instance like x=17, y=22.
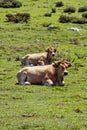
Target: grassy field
x=49, y=108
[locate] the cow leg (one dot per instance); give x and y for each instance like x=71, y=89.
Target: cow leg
x=30, y=63
x=22, y=79
x=61, y=81
x=40, y=62
x=22, y=62
x=27, y=81
x=47, y=82
x=27, y=62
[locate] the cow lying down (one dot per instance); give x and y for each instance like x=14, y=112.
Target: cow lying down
x=43, y=58
x=48, y=75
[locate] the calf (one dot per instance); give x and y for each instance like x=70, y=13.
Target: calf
x=39, y=58
x=48, y=75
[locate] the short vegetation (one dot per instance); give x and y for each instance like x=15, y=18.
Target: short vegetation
x=48, y=14
x=70, y=10
x=10, y=4
x=59, y=4
x=53, y=10
x=19, y=17
x=69, y=19
x=84, y=15
x=82, y=9
x=79, y=20
x=24, y=31
x=65, y=19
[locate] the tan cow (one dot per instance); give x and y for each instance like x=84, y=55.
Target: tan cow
x=39, y=58
x=48, y=75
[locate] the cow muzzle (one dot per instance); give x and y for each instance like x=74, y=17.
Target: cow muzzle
x=53, y=54
x=65, y=72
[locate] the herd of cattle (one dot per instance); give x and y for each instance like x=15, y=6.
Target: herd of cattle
x=39, y=69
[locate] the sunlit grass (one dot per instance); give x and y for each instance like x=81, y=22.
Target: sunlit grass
x=53, y=108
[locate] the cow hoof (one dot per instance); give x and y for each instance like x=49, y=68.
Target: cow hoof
x=21, y=83
x=27, y=83
x=46, y=84
x=50, y=85
x=62, y=84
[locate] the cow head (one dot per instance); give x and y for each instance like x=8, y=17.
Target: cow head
x=61, y=70
x=50, y=53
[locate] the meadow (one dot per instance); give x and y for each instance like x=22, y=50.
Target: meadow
x=34, y=107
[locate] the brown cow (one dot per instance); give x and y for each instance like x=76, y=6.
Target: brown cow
x=48, y=75
x=39, y=58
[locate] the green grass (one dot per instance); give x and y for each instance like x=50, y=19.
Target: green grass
x=53, y=108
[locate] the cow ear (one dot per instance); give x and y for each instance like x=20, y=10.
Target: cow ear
x=55, y=50
x=69, y=64
x=47, y=49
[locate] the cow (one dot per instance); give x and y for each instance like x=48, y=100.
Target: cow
x=44, y=58
x=48, y=75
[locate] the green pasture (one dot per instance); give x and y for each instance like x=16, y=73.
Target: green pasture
x=46, y=108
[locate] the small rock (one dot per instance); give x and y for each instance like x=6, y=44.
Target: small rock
x=78, y=110
x=50, y=27
x=28, y=115
x=75, y=29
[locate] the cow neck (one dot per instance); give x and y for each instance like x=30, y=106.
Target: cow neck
x=49, y=58
x=56, y=72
